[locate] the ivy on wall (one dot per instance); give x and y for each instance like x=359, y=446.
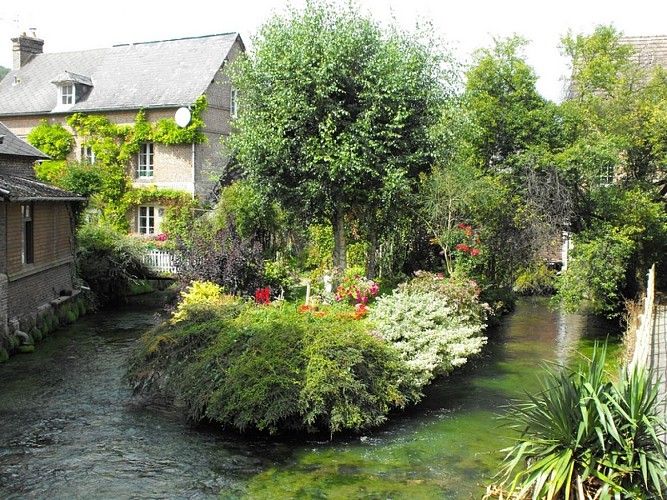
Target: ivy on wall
x=179, y=207
x=114, y=147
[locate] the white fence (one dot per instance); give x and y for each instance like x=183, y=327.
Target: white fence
x=159, y=261
x=645, y=331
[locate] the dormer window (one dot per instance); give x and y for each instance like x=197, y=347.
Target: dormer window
x=72, y=88
x=66, y=94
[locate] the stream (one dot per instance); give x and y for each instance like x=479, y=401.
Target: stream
x=70, y=428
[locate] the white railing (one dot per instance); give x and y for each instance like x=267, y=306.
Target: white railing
x=159, y=261
x=645, y=330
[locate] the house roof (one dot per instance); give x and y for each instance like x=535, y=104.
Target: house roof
x=20, y=189
x=159, y=74
x=10, y=145
x=651, y=50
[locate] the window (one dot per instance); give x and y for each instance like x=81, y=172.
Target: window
x=28, y=256
x=67, y=94
x=234, y=103
x=145, y=160
x=87, y=155
x=146, y=220
x=607, y=174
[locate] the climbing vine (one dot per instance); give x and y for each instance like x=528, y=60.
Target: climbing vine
x=51, y=139
x=179, y=207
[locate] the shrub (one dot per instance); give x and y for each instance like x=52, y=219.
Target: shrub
x=584, y=436
x=271, y=368
x=536, y=279
x=356, y=290
x=198, y=295
x=223, y=258
x=433, y=323
x=108, y=261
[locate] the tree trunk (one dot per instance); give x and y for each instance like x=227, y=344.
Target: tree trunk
x=371, y=264
x=340, y=245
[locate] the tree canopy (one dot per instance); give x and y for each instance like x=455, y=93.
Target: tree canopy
x=336, y=114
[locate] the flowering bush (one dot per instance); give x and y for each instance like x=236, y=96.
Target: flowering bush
x=461, y=293
x=198, y=295
x=433, y=331
x=357, y=290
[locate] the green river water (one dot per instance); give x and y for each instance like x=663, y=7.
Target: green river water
x=71, y=429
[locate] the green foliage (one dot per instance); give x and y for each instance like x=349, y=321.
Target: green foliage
x=108, y=261
x=584, y=436
x=626, y=235
x=335, y=114
x=200, y=295
x=166, y=131
x=82, y=178
x=508, y=114
x=537, y=279
x=51, y=172
x=114, y=147
x=51, y=139
x=281, y=274
x=273, y=368
x=320, y=248
x=179, y=217
x=3, y=72
x=435, y=325
x=252, y=212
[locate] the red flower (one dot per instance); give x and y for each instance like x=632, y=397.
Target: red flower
x=263, y=296
x=463, y=248
x=474, y=251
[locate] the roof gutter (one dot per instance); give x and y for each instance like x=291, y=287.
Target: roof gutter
x=47, y=198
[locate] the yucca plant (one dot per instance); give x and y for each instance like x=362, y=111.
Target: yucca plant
x=587, y=436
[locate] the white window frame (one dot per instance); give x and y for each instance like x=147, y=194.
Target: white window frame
x=67, y=93
x=146, y=220
x=234, y=103
x=87, y=155
x=607, y=174
x=145, y=161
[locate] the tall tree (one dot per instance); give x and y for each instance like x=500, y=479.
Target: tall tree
x=616, y=114
x=510, y=139
x=335, y=115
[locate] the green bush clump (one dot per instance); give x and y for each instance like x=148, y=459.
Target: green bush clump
x=585, y=435
x=434, y=323
x=273, y=368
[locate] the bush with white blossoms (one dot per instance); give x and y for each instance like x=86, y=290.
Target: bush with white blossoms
x=426, y=326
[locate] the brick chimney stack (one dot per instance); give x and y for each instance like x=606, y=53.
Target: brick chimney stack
x=24, y=48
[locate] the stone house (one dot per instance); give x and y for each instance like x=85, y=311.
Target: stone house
x=163, y=79
x=37, y=223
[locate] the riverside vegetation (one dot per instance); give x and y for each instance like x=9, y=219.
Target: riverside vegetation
x=365, y=151
x=255, y=364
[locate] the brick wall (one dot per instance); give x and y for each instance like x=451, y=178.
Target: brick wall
x=13, y=165
x=52, y=237
x=28, y=293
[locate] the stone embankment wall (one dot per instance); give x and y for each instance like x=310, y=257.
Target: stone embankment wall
x=23, y=332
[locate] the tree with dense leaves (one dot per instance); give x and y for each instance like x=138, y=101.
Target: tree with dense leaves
x=335, y=116
x=509, y=135
x=616, y=112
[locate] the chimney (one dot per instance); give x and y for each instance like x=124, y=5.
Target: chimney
x=25, y=47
